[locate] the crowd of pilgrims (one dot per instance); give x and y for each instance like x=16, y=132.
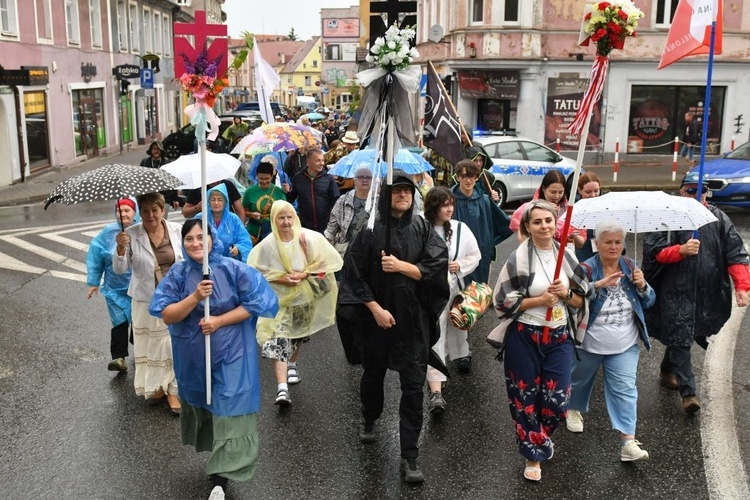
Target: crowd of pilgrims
x=294, y=254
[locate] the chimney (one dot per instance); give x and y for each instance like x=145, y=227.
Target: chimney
x=283, y=58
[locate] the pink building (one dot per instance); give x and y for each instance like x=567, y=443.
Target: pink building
x=517, y=67
x=59, y=100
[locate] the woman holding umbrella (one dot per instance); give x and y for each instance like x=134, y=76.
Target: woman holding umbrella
x=115, y=286
x=538, y=351
x=616, y=323
x=300, y=265
x=238, y=295
x=148, y=250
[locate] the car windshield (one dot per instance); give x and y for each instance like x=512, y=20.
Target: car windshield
x=740, y=153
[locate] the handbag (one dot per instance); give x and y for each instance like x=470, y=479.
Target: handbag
x=471, y=301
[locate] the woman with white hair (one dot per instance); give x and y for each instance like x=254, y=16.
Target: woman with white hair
x=616, y=323
x=348, y=214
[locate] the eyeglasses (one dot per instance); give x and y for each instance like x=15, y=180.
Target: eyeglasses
x=694, y=190
x=364, y=177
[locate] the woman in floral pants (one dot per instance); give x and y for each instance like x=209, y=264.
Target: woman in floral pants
x=538, y=361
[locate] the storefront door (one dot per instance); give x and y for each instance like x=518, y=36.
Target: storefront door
x=36, y=129
x=88, y=122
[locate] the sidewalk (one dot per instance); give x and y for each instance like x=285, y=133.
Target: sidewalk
x=631, y=176
x=37, y=188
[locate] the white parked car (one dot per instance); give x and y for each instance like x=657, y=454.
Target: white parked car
x=519, y=165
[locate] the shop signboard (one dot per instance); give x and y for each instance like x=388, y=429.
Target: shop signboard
x=477, y=84
x=26, y=76
x=341, y=28
x=127, y=71
x=564, y=94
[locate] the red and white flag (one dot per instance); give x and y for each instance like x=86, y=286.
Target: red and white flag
x=690, y=33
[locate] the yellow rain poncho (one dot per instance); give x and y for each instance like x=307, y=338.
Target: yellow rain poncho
x=309, y=306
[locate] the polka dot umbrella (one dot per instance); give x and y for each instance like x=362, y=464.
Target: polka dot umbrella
x=112, y=182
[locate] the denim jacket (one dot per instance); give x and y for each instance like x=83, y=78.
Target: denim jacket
x=640, y=301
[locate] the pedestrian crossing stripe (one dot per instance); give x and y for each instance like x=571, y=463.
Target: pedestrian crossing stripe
x=57, y=235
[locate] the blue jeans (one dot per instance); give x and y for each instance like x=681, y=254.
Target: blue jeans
x=620, y=391
x=687, y=150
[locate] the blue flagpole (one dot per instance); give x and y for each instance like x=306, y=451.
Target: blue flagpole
x=706, y=110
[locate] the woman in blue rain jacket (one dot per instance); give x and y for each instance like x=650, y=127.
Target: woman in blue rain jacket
x=238, y=295
x=231, y=230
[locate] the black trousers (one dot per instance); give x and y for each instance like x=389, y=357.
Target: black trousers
x=412, y=376
x=677, y=360
x=118, y=345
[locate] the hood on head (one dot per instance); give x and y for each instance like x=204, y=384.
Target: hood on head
x=384, y=204
x=220, y=188
x=217, y=248
x=279, y=206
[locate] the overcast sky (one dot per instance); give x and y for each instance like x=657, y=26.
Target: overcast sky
x=276, y=17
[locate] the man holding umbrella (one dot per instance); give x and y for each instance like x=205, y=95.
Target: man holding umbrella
x=691, y=276
x=394, y=298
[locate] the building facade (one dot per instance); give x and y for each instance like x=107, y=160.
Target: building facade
x=517, y=67
x=70, y=106
x=301, y=75
x=340, y=38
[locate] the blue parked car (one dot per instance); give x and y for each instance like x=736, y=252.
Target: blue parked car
x=729, y=178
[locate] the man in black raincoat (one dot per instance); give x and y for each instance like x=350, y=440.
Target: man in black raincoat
x=395, y=301
x=693, y=290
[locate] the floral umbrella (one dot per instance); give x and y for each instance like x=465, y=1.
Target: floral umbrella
x=278, y=137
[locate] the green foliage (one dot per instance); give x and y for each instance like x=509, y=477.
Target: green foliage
x=354, y=89
x=240, y=58
x=293, y=35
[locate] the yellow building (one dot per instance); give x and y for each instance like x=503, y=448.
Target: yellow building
x=301, y=75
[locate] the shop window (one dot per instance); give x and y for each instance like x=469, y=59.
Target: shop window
x=88, y=121
x=665, y=10
x=657, y=116
x=43, y=20
x=95, y=20
x=71, y=22
x=333, y=52
x=477, y=11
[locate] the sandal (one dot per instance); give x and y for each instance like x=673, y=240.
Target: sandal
x=530, y=473
x=292, y=375
x=175, y=407
x=282, y=398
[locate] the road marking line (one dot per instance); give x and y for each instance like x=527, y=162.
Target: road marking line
x=8, y=262
x=48, y=228
x=725, y=472
x=47, y=254
x=66, y=241
x=68, y=276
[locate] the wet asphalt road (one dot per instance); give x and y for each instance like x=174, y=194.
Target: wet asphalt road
x=72, y=430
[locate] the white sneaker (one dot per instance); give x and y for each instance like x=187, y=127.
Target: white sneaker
x=217, y=493
x=632, y=451
x=574, y=421
x=292, y=375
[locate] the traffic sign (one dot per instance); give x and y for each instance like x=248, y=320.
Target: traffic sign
x=147, y=78
x=423, y=87
x=325, y=90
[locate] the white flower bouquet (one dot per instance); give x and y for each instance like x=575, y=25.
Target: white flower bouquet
x=392, y=51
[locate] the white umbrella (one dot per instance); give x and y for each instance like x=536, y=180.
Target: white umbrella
x=187, y=168
x=642, y=212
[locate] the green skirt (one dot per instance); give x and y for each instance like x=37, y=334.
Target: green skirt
x=232, y=441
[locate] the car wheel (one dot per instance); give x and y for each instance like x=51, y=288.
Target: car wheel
x=502, y=194
x=172, y=151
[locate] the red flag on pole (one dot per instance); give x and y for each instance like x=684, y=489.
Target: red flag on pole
x=690, y=32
